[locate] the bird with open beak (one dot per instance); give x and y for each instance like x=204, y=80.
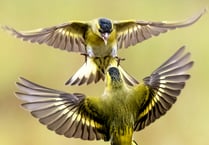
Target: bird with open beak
x=99, y=40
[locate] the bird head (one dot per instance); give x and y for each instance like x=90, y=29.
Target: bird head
x=104, y=29
x=113, y=78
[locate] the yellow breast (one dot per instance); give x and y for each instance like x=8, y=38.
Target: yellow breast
x=97, y=44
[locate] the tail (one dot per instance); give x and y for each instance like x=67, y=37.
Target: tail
x=94, y=69
x=88, y=73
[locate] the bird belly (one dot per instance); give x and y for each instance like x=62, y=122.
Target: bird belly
x=102, y=50
x=97, y=46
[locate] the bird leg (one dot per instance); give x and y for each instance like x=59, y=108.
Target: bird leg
x=119, y=59
x=85, y=55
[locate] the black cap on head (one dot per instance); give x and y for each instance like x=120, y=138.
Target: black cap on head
x=114, y=73
x=105, y=25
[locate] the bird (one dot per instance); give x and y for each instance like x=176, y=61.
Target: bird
x=115, y=115
x=99, y=37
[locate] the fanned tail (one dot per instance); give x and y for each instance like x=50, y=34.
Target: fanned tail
x=94, y=69
x=88, y=73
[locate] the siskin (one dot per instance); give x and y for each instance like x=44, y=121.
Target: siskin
x=118, y=112
x=99, y=38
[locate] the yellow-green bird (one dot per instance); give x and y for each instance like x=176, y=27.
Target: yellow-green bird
x=101, y=38
x=118, y=112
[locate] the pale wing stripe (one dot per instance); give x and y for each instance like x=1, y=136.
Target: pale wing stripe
x=165, y=84
x=61, y=112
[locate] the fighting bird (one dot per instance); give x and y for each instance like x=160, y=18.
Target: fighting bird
x=118, y=112
x=98, y=39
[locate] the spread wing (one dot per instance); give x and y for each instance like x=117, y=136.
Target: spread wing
x=71, y=115
x=67, y=36
x=164, y=85
x=133, y=32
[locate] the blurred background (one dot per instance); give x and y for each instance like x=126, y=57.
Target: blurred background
x=187, y=123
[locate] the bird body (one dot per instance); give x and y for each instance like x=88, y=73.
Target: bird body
x=100, y=37
x=118, y=112
x=119, y=99
x=96, y=47
x=120, y=126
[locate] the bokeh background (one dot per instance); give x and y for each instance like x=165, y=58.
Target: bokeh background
x=187, y=123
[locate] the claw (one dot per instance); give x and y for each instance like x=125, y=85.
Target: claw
x=119, y=59
x=85, y=55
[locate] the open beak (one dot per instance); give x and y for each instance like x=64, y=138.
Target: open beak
x=105, y=37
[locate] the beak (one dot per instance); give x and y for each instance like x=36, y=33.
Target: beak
x=105, y=37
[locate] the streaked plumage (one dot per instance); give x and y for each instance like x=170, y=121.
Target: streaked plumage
x=100, y=37
x=116, y=114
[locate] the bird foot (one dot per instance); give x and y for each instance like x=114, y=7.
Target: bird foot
x=85, y=55
x=119, y=59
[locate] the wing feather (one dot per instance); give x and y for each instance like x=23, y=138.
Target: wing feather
x=164, y=85
x=66, y=114
x=67, y=36
x=131, y=32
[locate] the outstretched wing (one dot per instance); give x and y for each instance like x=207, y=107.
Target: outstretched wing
x=71, y=115
x=67, y=36
x=133, y=31
x=164, y=85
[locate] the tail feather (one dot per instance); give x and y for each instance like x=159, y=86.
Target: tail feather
x=88, y=73
x=94, y=69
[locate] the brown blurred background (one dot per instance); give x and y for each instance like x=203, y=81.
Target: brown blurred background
x=187, y=123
